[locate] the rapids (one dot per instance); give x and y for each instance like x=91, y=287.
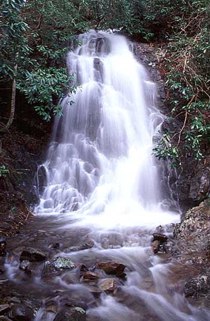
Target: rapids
x=103, y=183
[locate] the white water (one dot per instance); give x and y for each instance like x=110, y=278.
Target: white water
x=100, y=160
x=101, y=174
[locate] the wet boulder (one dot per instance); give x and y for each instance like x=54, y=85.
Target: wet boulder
x=113, y=268
x=71, y=314
x=32, y=255
x=193, y=233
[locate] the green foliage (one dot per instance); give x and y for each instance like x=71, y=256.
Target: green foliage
x=187, y=69
x=34, y=36
x=13, y=45
x=166, y=151
x=42, y=87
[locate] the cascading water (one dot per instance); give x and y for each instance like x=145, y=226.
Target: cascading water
x=102, y=179
x=100, y=160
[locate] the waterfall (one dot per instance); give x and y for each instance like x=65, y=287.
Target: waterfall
x=100, y=160
x=103, y=198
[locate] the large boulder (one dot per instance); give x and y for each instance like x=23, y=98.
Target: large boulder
x=191, y=248
x=193, y=233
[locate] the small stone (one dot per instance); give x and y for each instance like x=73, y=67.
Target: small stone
x=32, y=255
x=25, y=266
x=108, y=285
x=89, y=276
x=61, y=263
x=52, y=307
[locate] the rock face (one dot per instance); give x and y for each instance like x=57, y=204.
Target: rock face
x=193, y=233
x=192, y=248
x=200, y=184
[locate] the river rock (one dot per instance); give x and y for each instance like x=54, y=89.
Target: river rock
x=108, y=285
x=3, y=245
x=160, y=237
x=63, y=263
x=51, y=307
x=72, y=314
x=158, y=242
x=83, y=246
x=155, y=246
x=57, y=266
x=112, y=268
x=32, y=255
x=89, y=276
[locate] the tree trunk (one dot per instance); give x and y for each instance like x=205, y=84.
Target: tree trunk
x=12, y=106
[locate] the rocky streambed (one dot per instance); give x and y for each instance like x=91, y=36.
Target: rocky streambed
x=48, y=272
